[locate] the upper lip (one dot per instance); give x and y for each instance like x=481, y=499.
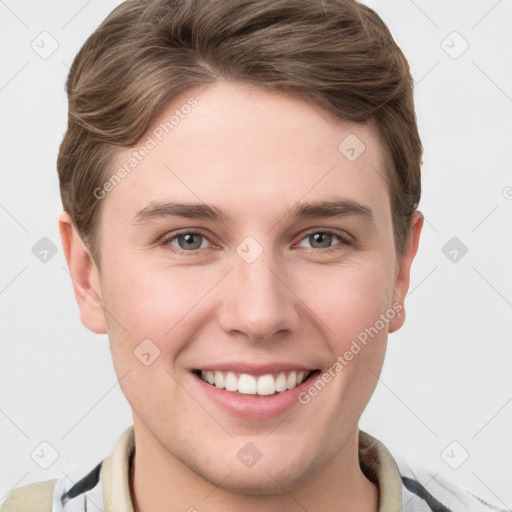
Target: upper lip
x=255, y=369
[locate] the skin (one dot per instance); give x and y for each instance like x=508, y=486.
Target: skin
x=255, y=153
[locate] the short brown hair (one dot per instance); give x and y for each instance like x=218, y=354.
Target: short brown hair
x=336, y=53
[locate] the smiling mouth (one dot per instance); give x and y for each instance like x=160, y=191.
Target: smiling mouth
x=256, y=385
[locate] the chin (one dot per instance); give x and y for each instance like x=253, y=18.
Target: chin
x=262, y=482
x=275, y=475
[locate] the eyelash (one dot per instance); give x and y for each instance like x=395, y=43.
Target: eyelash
x=345, y=241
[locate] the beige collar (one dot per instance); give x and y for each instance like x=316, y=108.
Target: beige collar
x=380, y=467
x=115, y=474
x=376, y=462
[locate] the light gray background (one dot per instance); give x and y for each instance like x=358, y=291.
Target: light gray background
x=447, y=375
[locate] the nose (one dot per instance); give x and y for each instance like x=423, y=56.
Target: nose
x=257, y=302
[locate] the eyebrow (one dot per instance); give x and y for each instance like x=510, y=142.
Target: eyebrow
x=336, y=207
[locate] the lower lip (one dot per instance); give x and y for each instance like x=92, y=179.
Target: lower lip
x=255, y=406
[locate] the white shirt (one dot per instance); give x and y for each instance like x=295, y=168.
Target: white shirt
x=106, y=488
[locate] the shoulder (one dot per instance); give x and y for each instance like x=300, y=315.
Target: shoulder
x=424, y=486
x=59, y=495
x=35, y=497
x=409, y=487
x=80, y=485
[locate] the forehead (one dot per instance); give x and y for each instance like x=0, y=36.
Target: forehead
x=252, y=149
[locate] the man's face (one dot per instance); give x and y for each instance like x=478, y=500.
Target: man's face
x=263, y=290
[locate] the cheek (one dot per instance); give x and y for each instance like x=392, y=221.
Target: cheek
x=347, y=299
x=148, y=325
x=152, y=303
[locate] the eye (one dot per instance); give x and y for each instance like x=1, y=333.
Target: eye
x=187, y=241
x=192, y=241
x=322, y=239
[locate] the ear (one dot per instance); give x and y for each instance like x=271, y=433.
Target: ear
x=84, y=275
x=403, y=270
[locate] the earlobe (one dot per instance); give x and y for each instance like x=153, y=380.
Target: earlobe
x=84, y=276
x=403, y=274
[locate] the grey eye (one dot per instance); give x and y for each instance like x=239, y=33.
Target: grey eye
x=188, y=241
x=323, y=239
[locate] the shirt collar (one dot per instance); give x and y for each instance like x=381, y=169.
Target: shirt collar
x=115, y=474
x=375, y=460
x=379, y=466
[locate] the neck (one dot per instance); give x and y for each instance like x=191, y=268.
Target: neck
x=158, y=479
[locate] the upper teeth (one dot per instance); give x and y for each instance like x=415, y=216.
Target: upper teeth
x=254, y=385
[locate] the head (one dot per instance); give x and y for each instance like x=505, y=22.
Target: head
x=209, y=145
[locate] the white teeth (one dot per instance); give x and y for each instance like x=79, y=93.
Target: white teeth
x=291, y=381
x=231, y=382
x=219, y=380
x=281, y=382
x=266, y=385
x=247, y=384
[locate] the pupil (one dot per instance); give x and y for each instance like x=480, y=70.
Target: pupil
x=322, y=237
x=189, y=242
